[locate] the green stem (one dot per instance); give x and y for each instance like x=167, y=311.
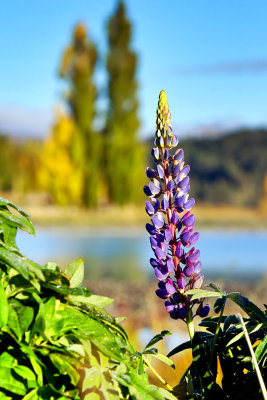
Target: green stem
x=157, y=375
x=216, y=336
x=190, y=325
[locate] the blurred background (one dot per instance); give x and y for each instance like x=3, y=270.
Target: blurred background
x=79, y=86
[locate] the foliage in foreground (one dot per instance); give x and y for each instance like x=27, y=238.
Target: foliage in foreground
x=55, y=335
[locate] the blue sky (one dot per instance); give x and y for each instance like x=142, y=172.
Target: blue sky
x=210, y=57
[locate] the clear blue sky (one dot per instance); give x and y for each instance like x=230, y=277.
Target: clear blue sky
x=209, y=56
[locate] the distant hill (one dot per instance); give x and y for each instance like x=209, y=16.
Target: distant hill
x=227, y=169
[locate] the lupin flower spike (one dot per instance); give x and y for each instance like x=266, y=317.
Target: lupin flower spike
x=176, y=263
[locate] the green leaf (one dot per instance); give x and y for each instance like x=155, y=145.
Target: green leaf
x=94, y=300
x=241, y=334
x=139, y=387
x=13, y=323
x=16, y=222
x=76, y=272
x=230, y=320
x=24, y=372
x=9, y=235
x=200, y=293
x=10, y=383
x=164, y=359
x=5, y=202
x=216, y=288
x=167, y=395
x=3, y=306
x=32, y=395
x=219, y=304
x=250, y=308
x=157, y=338
x=63, y=364
x=28, y=269
x=181, y=347
x=92, y=378
x=65, y=290
x=261, y=350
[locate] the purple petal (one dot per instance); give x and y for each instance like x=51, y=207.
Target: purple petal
x=154, y=262
x=165, y=203
x=166, y=154
x=151, y=173
x=160, y=254
x=154, y=188
x=170, y=185
x=185, y=170
x=170, y=288
x=151, y=229
x=158, y=223
x=181, y=312
x=169, y=306
x=185, y=236
x=194, y=238
x=176, y=170
x=179, y=200
x=193, y=257
x=197, y=267
x=149, y=208
x=162, y=293
x=179, y=155
x=168, y=234
x=160, y=171
x=184, y=182
x=161, y=272
x=179, y=251
x=204, y=311
x=188, y=270
x=174, y=218
x=147, y=191
x=181, y=282
x=189, y=221
x=155, y=153
x=153, y=242
x=189, y=204
x=170, y=265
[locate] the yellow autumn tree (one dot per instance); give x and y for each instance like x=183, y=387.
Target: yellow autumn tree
x=58, y=174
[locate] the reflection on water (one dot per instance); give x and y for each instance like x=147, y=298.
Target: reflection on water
x=124, y=253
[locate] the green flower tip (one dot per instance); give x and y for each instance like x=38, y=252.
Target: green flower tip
x=163, y=108
x=163, y=102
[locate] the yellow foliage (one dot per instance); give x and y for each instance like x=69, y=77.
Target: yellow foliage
x=58, y=173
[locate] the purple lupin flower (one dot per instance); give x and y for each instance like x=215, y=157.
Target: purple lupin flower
x=176, y=263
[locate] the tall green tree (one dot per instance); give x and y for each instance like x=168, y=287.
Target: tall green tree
x=124, y=155
x=77, y=68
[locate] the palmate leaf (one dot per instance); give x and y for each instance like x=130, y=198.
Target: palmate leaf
x=201, y=293
x=252, y=329
x=66, y=290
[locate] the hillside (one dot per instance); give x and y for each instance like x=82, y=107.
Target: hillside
x=229, y=169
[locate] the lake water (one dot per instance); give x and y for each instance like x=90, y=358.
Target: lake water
x=124, y=253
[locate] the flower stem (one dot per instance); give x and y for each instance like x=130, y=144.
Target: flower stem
x=157, y=374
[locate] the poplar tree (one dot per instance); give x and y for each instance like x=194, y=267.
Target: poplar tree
x=77, y=68
x=124, y=156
